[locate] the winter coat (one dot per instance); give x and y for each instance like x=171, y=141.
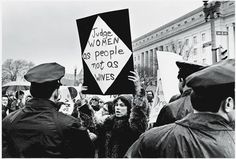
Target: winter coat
x=116, y=135
x=88, y=122
x=38, y=130
x=199, y=135
x=175, y=110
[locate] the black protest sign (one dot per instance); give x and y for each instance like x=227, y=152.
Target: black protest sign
x=107, y=52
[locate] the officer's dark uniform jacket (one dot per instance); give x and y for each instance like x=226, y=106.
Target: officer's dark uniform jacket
x=39, y=130
x=196, y=135
x=175, y=110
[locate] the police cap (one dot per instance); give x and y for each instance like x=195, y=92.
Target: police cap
x=46, y=72
x=212, y=85
x=221, y=73
x=187, y=68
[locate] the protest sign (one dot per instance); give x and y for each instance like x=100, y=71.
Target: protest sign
x=106, y=53
x=168, y=73
x=167, y=82
x=65, y=97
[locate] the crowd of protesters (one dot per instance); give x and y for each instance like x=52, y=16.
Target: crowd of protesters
x=13, y=101
x=199, y=122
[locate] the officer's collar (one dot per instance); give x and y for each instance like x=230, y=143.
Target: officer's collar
x=41, y=103
x=205, y=121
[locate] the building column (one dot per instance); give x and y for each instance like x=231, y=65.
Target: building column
x=151, y=63
x=155, y=66
x=146, y=63
x=231, y=41
x=161, y=48
x=142, y=64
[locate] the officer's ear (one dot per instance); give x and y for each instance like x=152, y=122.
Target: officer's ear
x=228, y=105
x=56, y=95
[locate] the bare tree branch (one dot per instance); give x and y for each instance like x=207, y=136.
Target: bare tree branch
x=12, y=70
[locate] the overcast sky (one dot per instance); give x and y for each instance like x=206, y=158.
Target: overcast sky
x=46, y=31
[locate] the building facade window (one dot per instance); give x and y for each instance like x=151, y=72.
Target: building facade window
x=161, y=48
x=180, y=44
x=195, y=51
x=195, y=39
x=167, y=49
x=203, y=36
x=187, y=42
x=138, y=57
x=204, y=60
x=203, y=50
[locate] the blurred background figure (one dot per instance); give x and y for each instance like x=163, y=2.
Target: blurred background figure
x=11, y=98
x=94, y=102
x=150, y=96
x=101, y=103
x=28, y=97
x=18, y=102
x=86, y=114
x=4, y=106
x=108, y=108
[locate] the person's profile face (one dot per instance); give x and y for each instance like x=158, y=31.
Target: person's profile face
x=105, y=109
x=94, y=102
x=101, y=103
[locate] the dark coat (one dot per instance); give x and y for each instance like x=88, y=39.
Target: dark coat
x=38, y=130
x=4, y=111
x=175, y=110
x=197, y=135
x=116, y=135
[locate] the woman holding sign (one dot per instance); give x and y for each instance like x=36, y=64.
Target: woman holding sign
x=120, y=130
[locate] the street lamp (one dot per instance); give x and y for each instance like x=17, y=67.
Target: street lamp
x=212, y=10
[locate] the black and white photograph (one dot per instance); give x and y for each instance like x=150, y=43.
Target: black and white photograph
x=118, y=79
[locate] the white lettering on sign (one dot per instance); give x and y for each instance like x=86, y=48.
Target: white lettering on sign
x=105, y=54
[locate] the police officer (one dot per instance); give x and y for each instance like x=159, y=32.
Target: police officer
x=182, y=106
x=39, y=130
x=206, y=133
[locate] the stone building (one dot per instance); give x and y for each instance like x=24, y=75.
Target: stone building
x=189, y=36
